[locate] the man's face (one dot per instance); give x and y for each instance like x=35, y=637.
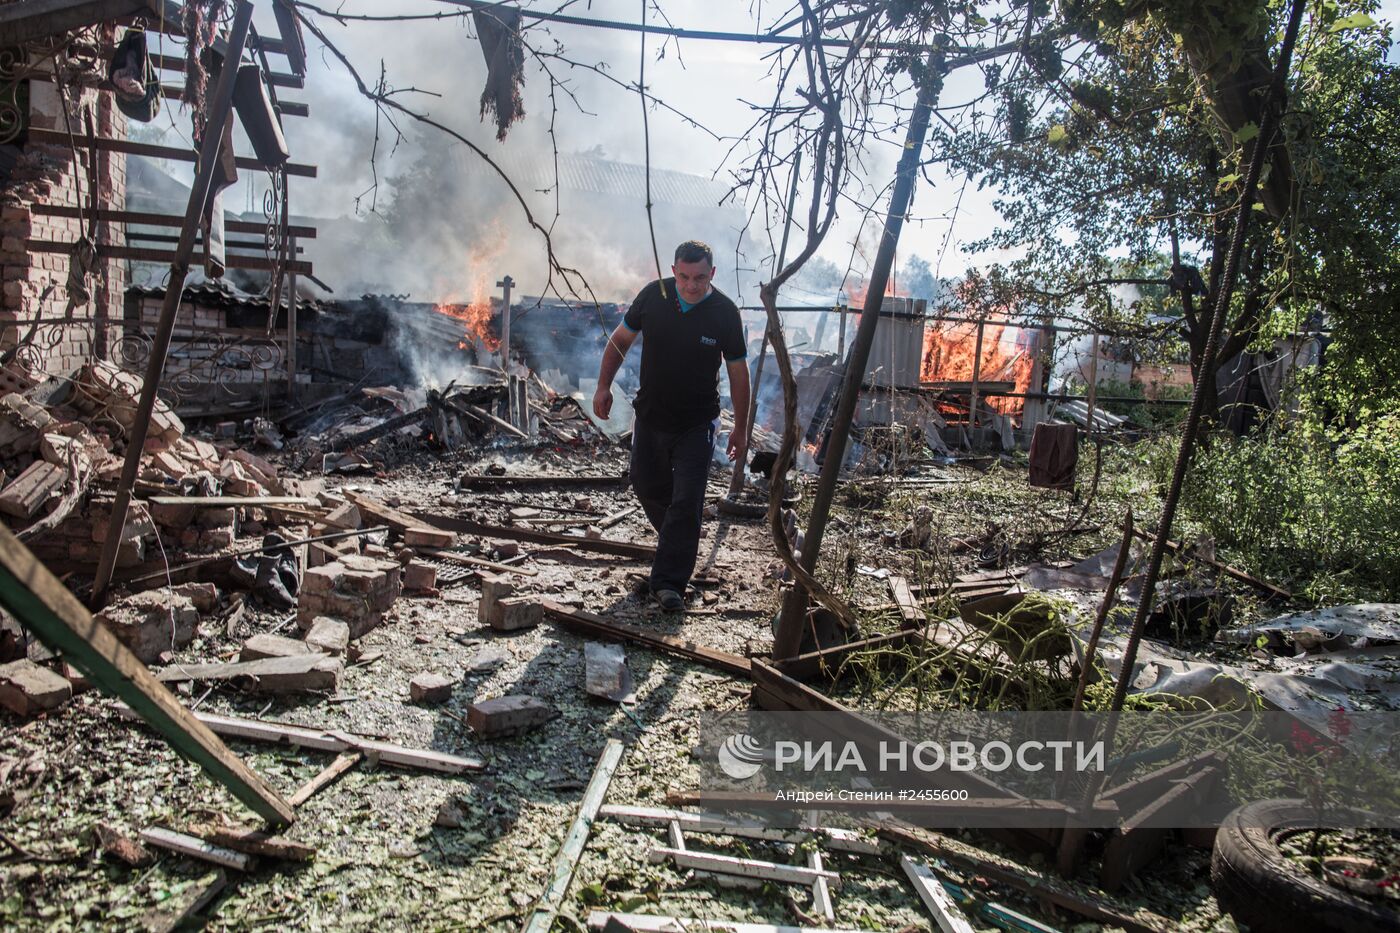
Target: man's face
x=693, y=279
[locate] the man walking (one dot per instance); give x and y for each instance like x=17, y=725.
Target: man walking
x=689, y=328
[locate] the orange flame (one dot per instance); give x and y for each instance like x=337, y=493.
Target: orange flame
x=477, y=282
x=479, y=319
x=950, y=355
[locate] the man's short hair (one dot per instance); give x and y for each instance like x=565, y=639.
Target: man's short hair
x=694, y=251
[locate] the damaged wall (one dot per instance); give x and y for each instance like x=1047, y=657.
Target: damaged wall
x=48, y=175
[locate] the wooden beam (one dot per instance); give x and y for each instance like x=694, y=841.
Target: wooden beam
x=275, y=78
x=1037, y=884
x=648, y=923
x=1176, y=547
x=481, y=479
x=597, y=545
x=865, y=732
x=194, y=847
x=328, y=740
x=132, y=147
x=714, y=824
x=911, y=614
x=142, y=254
x=36, y=597
x=598, y=627
x=37, y=19
x=553, y=897
x=743, y=867
x=930, y=890
x=829, y=659
x=148, y=219
x=216, y=502
x=328, y=776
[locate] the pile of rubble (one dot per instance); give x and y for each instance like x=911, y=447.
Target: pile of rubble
x=213, y=529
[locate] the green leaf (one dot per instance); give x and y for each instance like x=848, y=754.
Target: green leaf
x=1354, y=21
x=1247, y=132
x=1058, y=135
x=1230, y=179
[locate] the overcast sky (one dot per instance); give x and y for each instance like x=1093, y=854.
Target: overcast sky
x=711, y=81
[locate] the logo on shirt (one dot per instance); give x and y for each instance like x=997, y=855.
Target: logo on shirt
x=709, y=341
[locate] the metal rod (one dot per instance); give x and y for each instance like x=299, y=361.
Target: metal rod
x=221, y=103
x=291, y=328
x=790, y=622
x=1262, y=142
x=736, y=482
x=1119, y=565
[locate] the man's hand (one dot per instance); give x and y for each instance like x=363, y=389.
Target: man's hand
x=602, y=403
x=736, y=449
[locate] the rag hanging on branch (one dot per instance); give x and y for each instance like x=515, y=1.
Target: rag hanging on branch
x=201, y=24
x=498, y=28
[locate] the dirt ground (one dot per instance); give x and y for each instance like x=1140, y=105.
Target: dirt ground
x=382, y=863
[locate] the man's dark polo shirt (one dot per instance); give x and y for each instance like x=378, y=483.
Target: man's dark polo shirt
x=681, y=354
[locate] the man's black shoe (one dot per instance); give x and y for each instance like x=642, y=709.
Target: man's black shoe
x=670, y=600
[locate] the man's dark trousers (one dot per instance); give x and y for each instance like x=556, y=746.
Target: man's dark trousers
x=669, y=473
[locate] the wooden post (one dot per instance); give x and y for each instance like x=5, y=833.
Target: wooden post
x=220, y=111
x=291, y=328
x=794, y=613
x=542, y=920
x=46, y=607
x=1093, y=391
x=976, y=377
x=844, y=309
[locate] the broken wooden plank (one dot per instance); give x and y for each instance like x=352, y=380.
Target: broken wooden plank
x=821, y=888
x=743, y=867
x=985, y=811
x=911, y=614
x=310, y=672
x=454, y=557
x=930, y=889
x=1036, y=884
x=830, y=659
x=194, y=847
x=511, y=533
x=862, y=730
x=470, y=480
x=550, y=901
x=714, y=824
x=1177, y=547
x=46, y=607
x=599, y=627
x=334, y=741
x=223, y=502
x=253, y=842
x=1135, y=844
x=327, y=776
x=646, y=923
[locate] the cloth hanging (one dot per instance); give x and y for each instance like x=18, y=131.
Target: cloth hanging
x=135, y=80
x=1054, y=455
x=498, y=29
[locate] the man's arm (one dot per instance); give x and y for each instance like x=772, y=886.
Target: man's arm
x=739, y=393
x=619, y=342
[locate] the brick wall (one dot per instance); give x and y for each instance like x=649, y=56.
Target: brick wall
x=48, y=175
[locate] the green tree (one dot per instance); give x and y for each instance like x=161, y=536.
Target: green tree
x=1134, y=151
